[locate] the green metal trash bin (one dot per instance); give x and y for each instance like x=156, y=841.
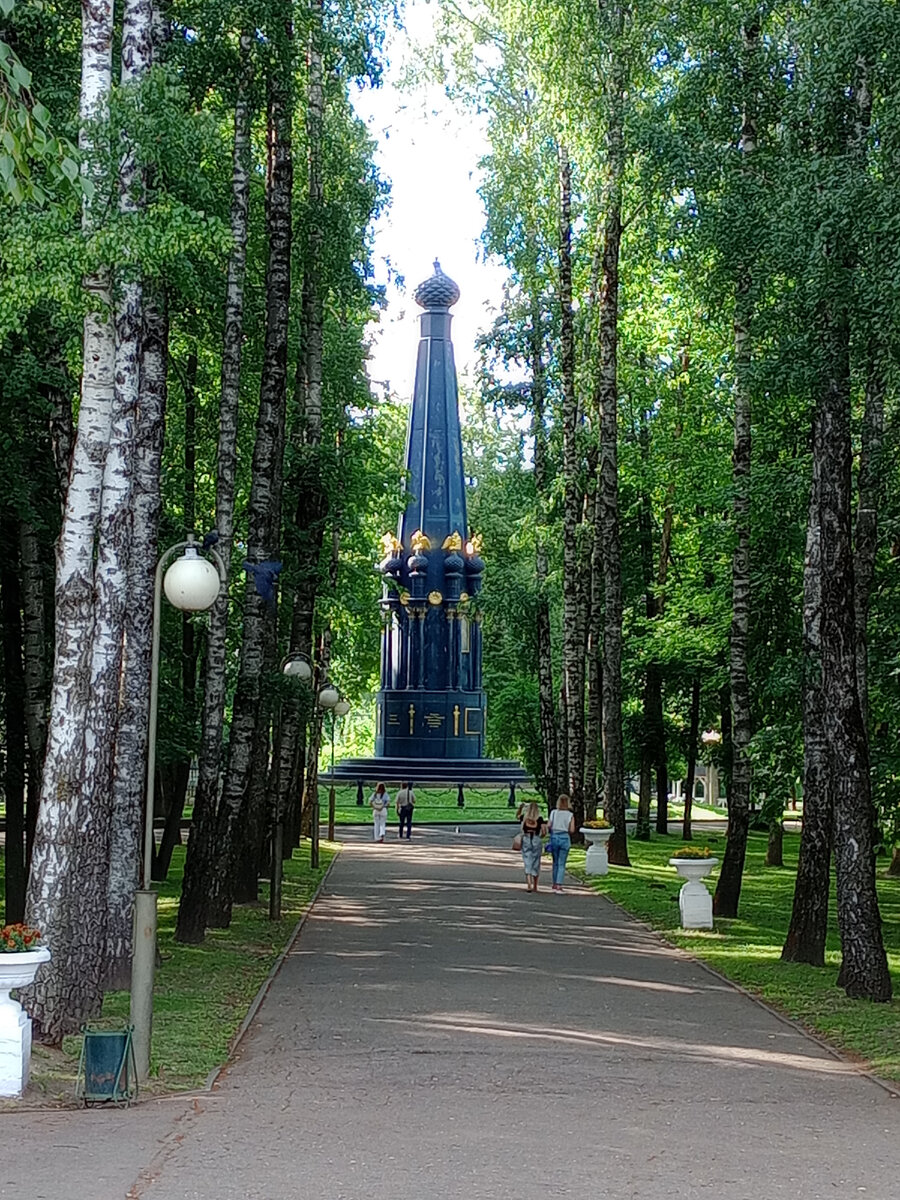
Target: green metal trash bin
x=106, y=1072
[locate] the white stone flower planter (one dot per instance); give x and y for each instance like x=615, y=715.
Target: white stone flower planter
x=596, y=861
x=16, y=970
x=694, y=900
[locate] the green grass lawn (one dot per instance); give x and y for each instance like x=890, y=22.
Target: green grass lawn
x=202, y=993
x=748, y=948
x=436, y=805
x=433, y=804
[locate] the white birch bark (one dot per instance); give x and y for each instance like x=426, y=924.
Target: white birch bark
x=57, y=902
x=120, y=691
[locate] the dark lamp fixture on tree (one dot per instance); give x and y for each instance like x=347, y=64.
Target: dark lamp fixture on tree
x=192, y=584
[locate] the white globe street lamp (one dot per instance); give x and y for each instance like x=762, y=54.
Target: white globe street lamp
x=339, y=708
x=297, y=667
x=329, y=696
x=192, y=584
x=294, y=665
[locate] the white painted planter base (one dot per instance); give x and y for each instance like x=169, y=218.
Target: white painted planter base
x=596, y=861
x=16, y=970
x=694, y=901
x=695, y=906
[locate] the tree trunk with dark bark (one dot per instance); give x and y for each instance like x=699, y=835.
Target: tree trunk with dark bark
x=693, y=742
x=573, y=657
x=805, y=941
x=129, y=781
x=306, y=536
x=868, y=505
x=549, y=761
x=200, y=861
x=775, y=845
x=13, y=720
x=34, y=649
x=248, y=710
x=606, y=405
x=864, y=971
x=728, y=889
x=171, y=788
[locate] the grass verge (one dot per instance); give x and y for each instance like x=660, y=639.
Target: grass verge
x=202, y=993
x=747, y=949
x=437, y=805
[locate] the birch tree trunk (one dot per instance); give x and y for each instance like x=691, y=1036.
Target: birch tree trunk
x=869, y=479
x=728, y=889
x=864, y=972
x=34, y=651
x=59, y=902
x=868, y=505
x=201, y=850
x=306, y=536
x=549, y=758
x=115, y=550
x=606, y=401
x=126, y=840
x=693, y=741
x=593, y=791
x=264, y=531
x=573, y=658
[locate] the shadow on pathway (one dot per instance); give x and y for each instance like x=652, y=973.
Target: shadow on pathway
x=439, y=1033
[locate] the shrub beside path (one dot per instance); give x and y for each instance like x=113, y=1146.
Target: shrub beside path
x=437, y=1032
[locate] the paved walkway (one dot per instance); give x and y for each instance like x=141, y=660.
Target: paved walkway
x=438, y=1034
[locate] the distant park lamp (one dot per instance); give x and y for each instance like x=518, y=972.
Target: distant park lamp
x=710, y=737
x=294, y=665
x=192, y=584
x=329, y=696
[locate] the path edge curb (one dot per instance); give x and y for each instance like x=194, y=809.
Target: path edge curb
x=235, y=1043
x=892, y=1089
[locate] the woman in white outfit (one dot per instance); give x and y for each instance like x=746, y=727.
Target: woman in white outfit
x=380, y=801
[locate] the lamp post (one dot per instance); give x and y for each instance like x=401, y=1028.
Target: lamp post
x=191, y=584
x=294, y=665
x=327, y=698
x=340, y=710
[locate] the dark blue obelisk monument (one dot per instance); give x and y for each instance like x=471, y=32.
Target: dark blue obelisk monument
x=430, y=706
x=431, y=703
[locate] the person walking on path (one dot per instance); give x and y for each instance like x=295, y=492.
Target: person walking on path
x=380, y=801
x=406, y=802
x=532, y=845
x=562, y=826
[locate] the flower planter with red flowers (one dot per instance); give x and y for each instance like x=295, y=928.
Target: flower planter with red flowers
x=21, y=954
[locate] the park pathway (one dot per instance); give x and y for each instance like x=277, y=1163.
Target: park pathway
x=439, y=1034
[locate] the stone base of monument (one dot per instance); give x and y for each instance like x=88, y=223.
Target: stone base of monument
x=489, y=772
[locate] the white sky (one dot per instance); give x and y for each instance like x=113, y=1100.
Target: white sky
x=429, y=151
